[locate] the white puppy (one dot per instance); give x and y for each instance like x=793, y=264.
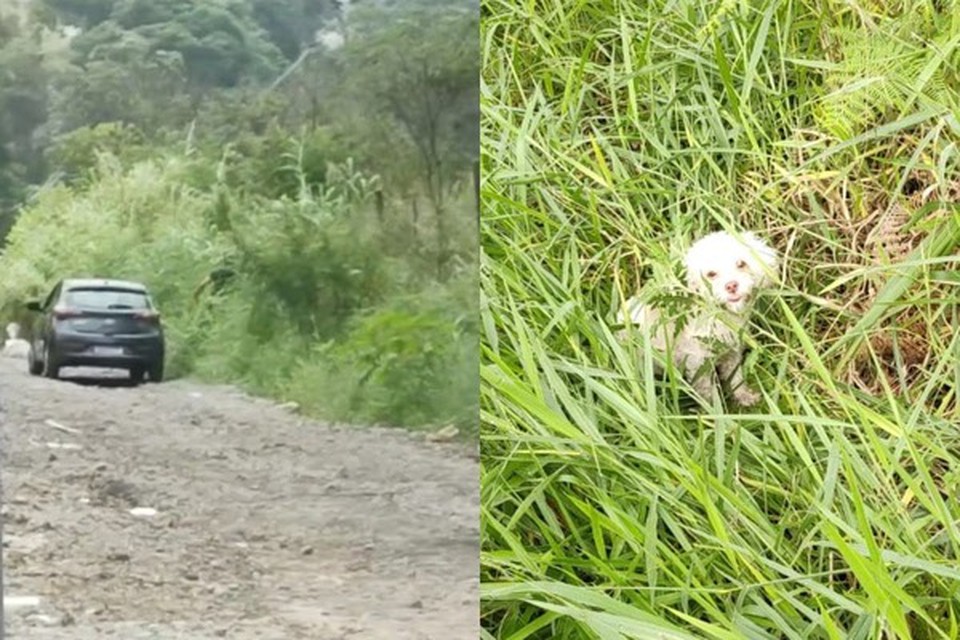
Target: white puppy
x=725, y=271
x=15, y=346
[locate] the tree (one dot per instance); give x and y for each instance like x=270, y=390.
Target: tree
x=418, y=64
x=23, y=108
x=220, y=44
x=145, y=90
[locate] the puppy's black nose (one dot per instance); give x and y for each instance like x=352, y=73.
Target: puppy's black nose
x=731, y=286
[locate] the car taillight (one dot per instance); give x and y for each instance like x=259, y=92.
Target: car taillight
x=151, y=317
x=62, y=313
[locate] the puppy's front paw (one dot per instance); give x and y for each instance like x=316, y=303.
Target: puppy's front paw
x=745, y=396
x=704, y=387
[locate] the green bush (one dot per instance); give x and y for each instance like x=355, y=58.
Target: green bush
x=412, y=361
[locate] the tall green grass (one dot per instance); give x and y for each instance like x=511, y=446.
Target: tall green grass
x=613, y=133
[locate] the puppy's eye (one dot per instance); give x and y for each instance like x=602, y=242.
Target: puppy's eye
x=711, y=275
x=741, y=264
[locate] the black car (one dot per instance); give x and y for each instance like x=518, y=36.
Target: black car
x=97, y=323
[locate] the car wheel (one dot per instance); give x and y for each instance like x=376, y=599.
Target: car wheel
x=50, y=367
x=136, y=374
x=33, y=365
x=156, y=372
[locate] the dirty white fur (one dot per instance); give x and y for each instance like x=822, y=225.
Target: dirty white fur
x=15, y=346
x=725, y=271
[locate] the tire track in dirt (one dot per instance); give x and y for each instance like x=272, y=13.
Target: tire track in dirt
x=267, y=526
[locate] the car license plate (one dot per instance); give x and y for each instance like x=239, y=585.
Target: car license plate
x=108, y=351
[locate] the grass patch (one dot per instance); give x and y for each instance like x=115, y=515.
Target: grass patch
x=613, y=133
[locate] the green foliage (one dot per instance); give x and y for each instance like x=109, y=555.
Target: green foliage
x=83, y=13
x=144, y=90
x=291, y=25
x=311, y=258
x=402, y=96
x=412, y=361
x=76, y=153
x=218, y=45
x=307, y=269
x=23, y=108
x=284, y=23
x=276, y=164
x=614, y=133
x=130, y=14
x=418, y=65
x=906, y=60
x=407, y=80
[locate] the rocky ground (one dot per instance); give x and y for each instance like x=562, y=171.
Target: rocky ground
x=187, y=511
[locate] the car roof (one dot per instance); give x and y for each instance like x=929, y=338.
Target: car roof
x=97, y=283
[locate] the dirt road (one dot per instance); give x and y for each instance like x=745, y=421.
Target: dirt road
x=267, y=525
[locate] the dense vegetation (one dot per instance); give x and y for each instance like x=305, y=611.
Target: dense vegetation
x=612, y=134
x=293, y=180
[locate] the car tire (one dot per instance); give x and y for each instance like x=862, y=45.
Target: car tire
x=34, y=366
x=50, y=367
x=155, y=372
x=136, y=374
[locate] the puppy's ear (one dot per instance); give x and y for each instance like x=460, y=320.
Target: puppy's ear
x=763, y=259
x=692, y=264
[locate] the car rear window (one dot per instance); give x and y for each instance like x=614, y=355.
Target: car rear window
x=107, y=298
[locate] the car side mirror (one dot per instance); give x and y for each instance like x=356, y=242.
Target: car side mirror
x=33, y=305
